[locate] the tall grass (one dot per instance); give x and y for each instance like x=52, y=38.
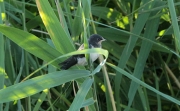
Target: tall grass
x=140, y=67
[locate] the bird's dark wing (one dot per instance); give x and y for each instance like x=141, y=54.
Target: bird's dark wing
x=70, y=61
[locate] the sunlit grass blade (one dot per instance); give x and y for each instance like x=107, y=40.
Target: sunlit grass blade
x=2, y=54
x=62, y=17
x=37, y=84
x=59, y=36
x=31, y=43
x=77, y=22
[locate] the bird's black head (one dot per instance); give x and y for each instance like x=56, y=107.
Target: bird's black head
x=96, y=40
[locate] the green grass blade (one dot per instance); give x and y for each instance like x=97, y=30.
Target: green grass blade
x=174, y=23
x=2, y=56
x=31, y=43
x=59, y=36
x=158, y=97
x=9, y=62
x=87, y=102
x=138, y=27
x=41, y=99
x=142, y=99
x=77, y=22
x=150, y=33
x=144, y=84
x=81, y=94
x=37, y=84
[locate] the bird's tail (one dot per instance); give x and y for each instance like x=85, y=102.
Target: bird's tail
x=68, y=63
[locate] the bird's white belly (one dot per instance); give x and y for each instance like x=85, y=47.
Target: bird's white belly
x=82, y=61
x=94, y=56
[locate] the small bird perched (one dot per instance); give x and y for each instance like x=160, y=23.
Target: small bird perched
x=94, y=42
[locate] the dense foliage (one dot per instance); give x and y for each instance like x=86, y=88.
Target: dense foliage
x=138, y=72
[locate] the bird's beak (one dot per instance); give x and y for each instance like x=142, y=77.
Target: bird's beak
x=103, y=40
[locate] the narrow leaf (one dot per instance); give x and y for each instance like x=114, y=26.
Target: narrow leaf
x=37, y=84
x=81, y=94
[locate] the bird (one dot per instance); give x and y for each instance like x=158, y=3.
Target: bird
x=94, y=41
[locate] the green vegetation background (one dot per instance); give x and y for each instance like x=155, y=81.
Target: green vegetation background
x=138, y=72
